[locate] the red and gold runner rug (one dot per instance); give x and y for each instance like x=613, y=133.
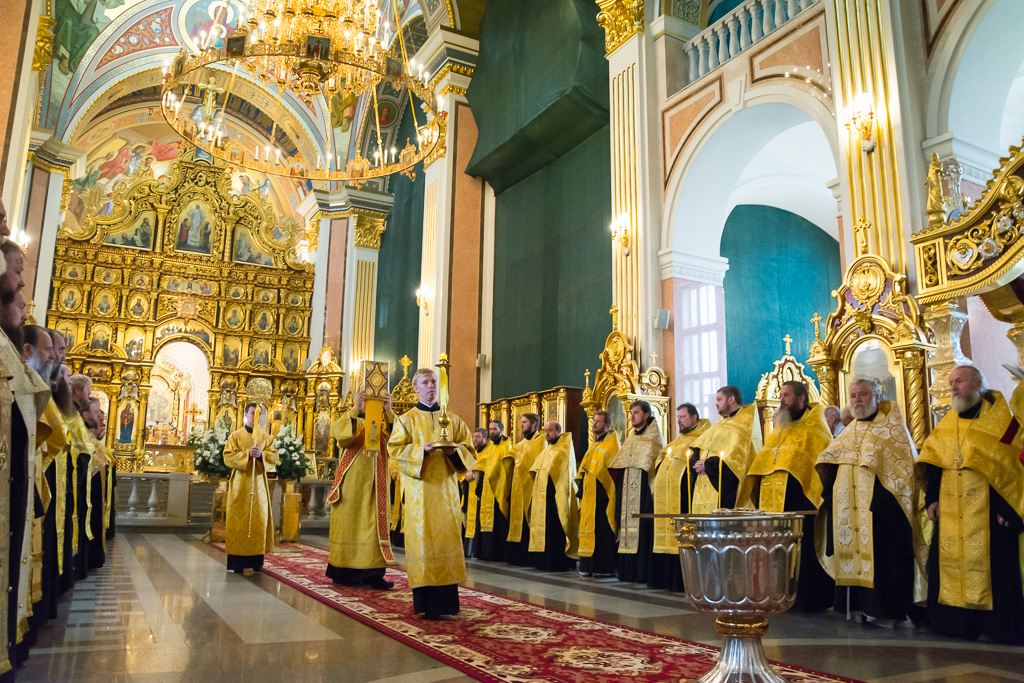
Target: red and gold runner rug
x=500, y=639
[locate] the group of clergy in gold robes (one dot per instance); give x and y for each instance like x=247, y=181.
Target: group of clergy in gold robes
x=871, y=502
x=890, y=535
x=56, y=487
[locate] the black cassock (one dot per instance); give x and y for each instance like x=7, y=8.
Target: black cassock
x=815, y=589
x=606, y=552
x=1004, y=623
x=634, y=567
x=491, y=546
x=553, y=557
x=892, y=557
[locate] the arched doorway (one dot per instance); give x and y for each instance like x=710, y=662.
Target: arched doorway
x=178, y=399
x=755, y=205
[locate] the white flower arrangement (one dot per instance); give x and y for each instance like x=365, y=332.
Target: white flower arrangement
x=293, y=463
x=209, y=453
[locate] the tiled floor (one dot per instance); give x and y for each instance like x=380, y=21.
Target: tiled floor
x=164, y=609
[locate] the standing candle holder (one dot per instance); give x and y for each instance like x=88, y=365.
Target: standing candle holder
x=444, y=439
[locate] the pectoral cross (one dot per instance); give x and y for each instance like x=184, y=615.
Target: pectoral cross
x=788, y=340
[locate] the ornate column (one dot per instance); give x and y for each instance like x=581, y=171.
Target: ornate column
x=636, y=194
x=53, y=166
x=881, y=178
x=351, y=223
x=366, y=213
x=946, y=322
x=316, y=210
x=368, y=226
x=25, y=55
x=450, y=296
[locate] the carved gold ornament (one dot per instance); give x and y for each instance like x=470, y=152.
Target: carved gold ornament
x=980, y=249
x=621, y=20
x=42, y=55
x=873, y=306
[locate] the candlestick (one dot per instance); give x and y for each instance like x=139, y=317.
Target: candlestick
x=689, y=482
x=721, y=457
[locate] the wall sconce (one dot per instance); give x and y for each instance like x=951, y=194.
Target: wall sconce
x=620, y=232
x=19, y=237
x=862, y=121
x=421, y=301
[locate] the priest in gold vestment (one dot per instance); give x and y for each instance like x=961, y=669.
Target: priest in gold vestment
x=722, y=455
x=868, y=531
x=430, y=477
x=31, y=394
x=555, y=516
x=631, y=469
x=971, y=469
x=782, y=478
x=491, y=489
x=598, y=524
x=521, y=496
x=673, y=483
x=360, y=543
x=249, y=533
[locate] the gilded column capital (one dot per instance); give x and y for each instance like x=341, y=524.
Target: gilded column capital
x=368, y=229
x=621, y=20
x=42, y=55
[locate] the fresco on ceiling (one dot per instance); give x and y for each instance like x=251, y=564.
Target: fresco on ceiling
x=145, y=33
x=138, y=142
x=210, y=17
x=77, y=25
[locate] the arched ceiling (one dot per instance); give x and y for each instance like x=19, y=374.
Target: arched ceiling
x=107, y=66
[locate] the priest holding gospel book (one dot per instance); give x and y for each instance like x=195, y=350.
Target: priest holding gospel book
x=430, y=478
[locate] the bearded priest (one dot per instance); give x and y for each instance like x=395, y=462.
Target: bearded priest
x=722, y=454
x=597, y=549
x=523, y=455
x=493, y=473
x=782, y=478
x=434, y=552
x=868, y=533
x=631, y=469
x=555, y=516
x=249, y=533
x=974, y=493
x=360, y=540
x=673, y=483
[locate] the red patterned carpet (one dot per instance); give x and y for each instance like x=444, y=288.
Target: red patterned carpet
x=499, y=639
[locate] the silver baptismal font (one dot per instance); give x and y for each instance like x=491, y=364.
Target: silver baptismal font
x=742, y=565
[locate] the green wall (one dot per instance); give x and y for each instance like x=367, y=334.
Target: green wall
x=552, y=263
x=398, y=271
x=540, y=86
x=782, y=269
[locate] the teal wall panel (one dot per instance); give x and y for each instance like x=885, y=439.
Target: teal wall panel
x=552, y=280
x=782, y=269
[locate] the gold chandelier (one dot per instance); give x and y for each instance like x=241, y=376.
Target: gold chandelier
x=315, y=48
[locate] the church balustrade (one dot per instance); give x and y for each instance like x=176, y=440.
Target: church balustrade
x=737, y=31
x=154, y=499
